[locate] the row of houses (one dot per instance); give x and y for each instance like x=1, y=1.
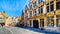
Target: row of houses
x=8, y=21
x=42, y=13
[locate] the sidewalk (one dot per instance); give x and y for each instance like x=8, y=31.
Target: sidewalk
x=42, y=31
x=55, y=29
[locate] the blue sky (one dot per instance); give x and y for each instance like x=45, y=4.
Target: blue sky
x=13, y=7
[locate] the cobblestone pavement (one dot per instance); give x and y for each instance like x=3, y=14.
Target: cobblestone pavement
x=4, y=31
x=16, y=30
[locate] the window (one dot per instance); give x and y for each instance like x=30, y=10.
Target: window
x=39, y=1
x=47, y=8
x=41, y=22
x=57, y=5
x=34, y=3
x=50, y=21
x=35, y=12
x=26, y=16
x=40, y=10
x=30, y=6
x=30, y=14
x=50, y=6
x=58, y=20
x=51, y=2
x=30, y=23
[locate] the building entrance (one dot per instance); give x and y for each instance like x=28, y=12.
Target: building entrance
x=35, y=24
x=41, y=22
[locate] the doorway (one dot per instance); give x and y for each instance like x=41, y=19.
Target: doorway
x=35, y=24
x=41, y=22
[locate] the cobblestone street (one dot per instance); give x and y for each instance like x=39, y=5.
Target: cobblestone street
x=16, y=30
x=4, y=31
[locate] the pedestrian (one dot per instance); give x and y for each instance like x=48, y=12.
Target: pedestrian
x=2, y=25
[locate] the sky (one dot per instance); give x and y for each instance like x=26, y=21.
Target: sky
x=13, y=8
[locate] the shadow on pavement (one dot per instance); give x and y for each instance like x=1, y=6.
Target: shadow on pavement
x=40, y=30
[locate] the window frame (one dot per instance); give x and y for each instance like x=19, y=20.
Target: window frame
x=58, y=5
x=40, y=10
x=34, y=12
x=50, y=19
x=58, y=18
x=30, y=6
x=30, y=14
x=34, y=4
x=49, y=6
